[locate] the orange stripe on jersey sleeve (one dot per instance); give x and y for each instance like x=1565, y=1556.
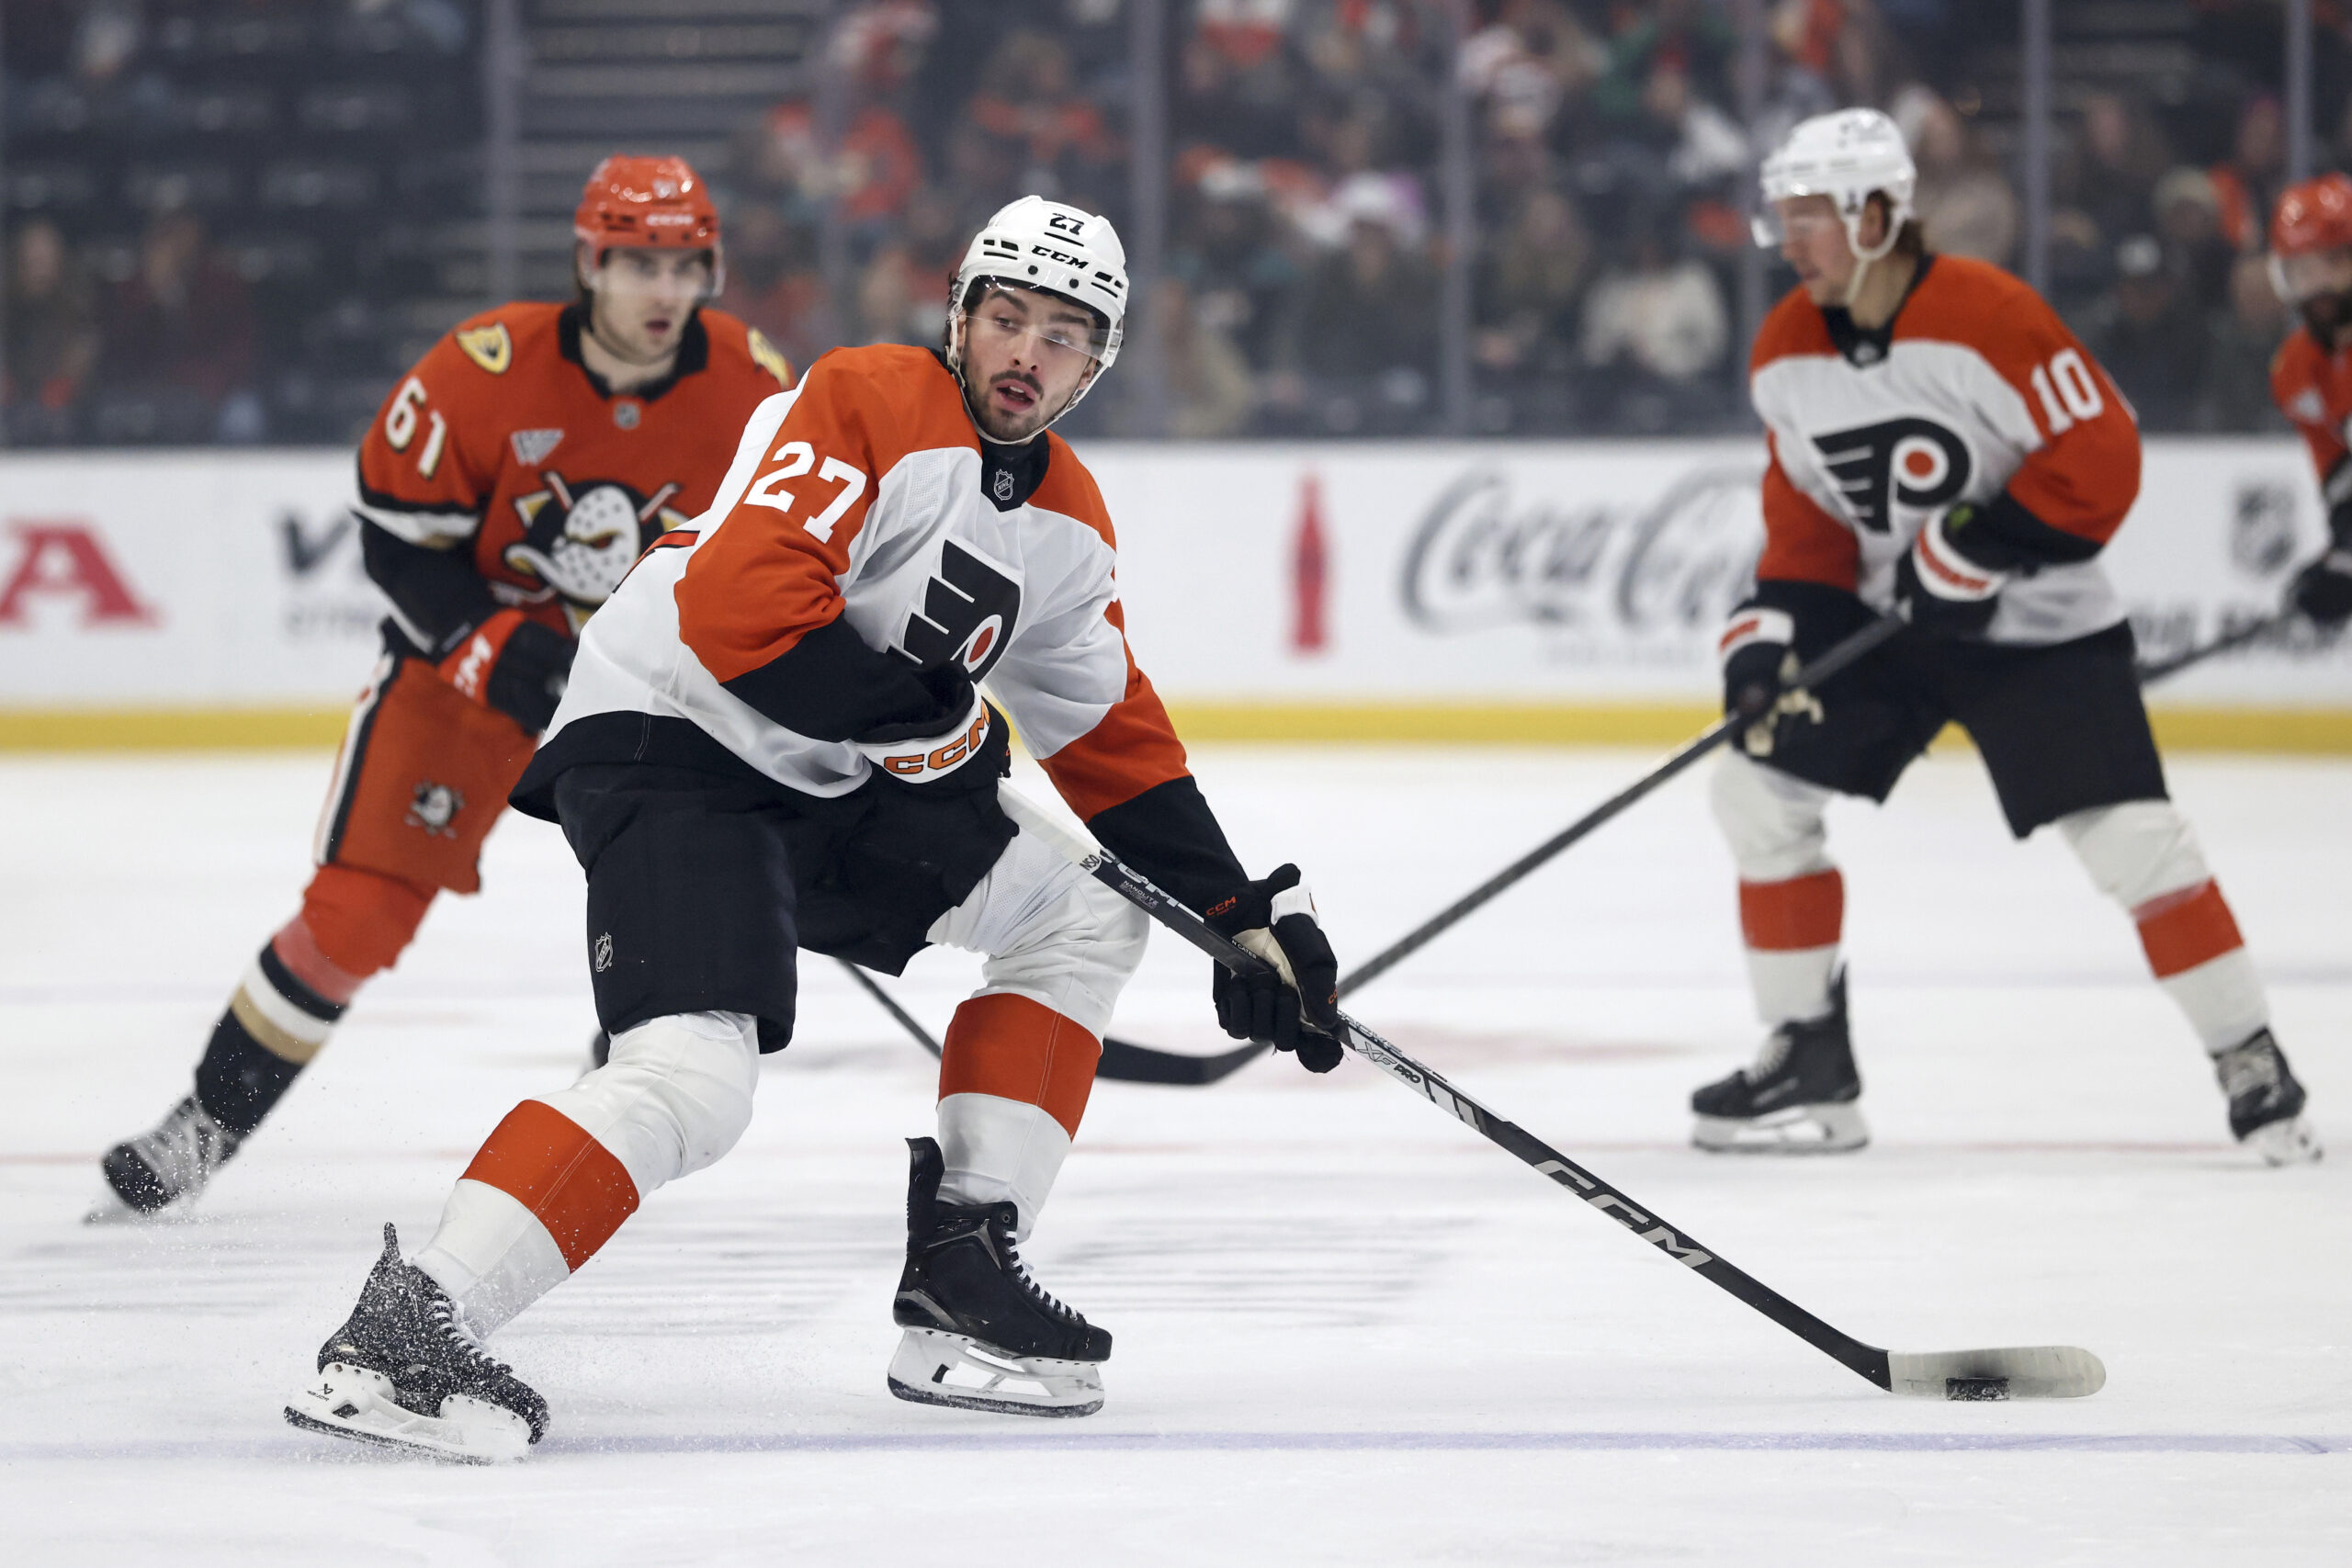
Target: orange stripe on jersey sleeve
x=2085, y=474
x=1801, y=542
x=770, y=575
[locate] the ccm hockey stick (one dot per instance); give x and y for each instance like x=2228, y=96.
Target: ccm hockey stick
x=1126, y=1063
x=2041, y=1371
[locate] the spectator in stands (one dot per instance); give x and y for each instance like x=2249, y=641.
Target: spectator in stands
x=2189, y=221
x=2240, y=343
x=895, y=304
x=180, y=346
x=2248, y=181
x=2105, y=180
x=1228, y=248
x=773, y=283
x=1656, y=316
x=1369, y=333
x=1965, y=207
x=1210, y=391
x=1029, y=101
x=1528, y=285
x=2149, y=336
x=52, y=336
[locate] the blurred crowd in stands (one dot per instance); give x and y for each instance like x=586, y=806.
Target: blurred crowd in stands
x=1610, y=151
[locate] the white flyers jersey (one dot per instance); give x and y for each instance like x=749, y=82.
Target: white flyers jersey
x=1975, y=392
x=859, y=497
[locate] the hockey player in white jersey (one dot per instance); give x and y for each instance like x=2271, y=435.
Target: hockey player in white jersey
x=775, y=737
x=1941, y=447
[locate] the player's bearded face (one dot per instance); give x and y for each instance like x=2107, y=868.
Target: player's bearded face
x=641, y=299
x=1026, y=355
x=1812, y=242
x=2318, y=284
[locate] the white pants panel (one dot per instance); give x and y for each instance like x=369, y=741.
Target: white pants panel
x=1051, y=934
x=1772, y=821
x=2136, y=851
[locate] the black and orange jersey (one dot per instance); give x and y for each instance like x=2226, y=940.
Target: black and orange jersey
x=529, y=482
x=2313, y=388
x=1975, y=392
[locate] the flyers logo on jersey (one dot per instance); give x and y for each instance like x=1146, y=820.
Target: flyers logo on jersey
x=969, y=613
x=488, y=347
x=1915, y=462
x=581, y=540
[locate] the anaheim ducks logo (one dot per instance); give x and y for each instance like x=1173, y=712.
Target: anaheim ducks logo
x=969, y=613
x=1915, y=462
x=581, y=541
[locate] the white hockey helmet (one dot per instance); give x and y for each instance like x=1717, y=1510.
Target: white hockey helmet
x=1036, y=243
x=1848, y=156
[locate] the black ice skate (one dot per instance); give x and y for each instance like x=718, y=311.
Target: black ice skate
x=2266, y=1102
x=980, y=1332
x=1800, y=1097
x=157, y=1168
x=404, y=1371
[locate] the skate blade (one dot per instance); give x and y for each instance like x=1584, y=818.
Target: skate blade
x=1796, y=1129
x=353, y=1402
x=2288, y=1142
x=2023, y=1371
x=936, y=1367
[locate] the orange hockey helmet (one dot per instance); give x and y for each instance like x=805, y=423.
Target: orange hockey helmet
x=655, y=202
x=2313, y=216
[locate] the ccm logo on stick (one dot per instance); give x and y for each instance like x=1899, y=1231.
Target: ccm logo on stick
x=939, y=761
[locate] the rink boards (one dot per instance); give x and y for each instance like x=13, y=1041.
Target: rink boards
x=1497, y=592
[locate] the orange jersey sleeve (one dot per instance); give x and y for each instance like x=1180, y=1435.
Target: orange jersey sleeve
x=2300, y=384
x=2085, y=474
x=1801, y=542
x=771, y=573
x=430, y=458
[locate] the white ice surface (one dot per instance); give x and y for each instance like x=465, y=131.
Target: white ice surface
x=1348, y=1330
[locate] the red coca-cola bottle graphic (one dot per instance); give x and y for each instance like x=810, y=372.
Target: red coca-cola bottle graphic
x=1310, y=572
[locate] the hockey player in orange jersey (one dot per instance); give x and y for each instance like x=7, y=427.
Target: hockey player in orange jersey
x=508, y=483
x=1941, y=447
x=2311, y=266
x=775, y=737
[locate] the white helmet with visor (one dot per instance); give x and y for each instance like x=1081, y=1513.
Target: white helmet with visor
x=1059, y=250
x=1848, y=157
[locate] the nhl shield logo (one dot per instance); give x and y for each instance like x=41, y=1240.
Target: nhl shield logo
x=1001, y=486
x=604, y=952
x=434, y=808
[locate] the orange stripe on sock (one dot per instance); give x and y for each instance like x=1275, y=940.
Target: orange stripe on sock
x=547, y=1162
x=1015, y=1049
x=2182, y=930
x=298, y=951
x=1788, y=916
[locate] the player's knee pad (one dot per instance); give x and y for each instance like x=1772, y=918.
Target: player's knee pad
x=1051, y=934
x=2136, y=851
x=362, y=921
x=1075, y=956
x=1772, y=821
x=673, y=1097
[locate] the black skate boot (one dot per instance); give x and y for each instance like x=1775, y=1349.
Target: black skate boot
x=1798, y=1097
x=2266, y=1102
x=160, y=1166
x=404, y=1371
x=980, y=1333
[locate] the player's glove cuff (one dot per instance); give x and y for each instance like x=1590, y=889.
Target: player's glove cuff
x=513, y=664
x=971, y=750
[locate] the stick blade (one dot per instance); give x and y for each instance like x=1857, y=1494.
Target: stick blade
x=1142, y=1064
x=2018, y=1372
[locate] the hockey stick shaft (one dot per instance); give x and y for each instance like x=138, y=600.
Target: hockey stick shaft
x=1832, y=662
x=1867, y=1361
x=1121, y=1061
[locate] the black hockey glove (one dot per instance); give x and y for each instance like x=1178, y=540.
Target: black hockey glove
x=1941, y=586
x=513, y=664
x=1759, y=675
x=2322, y=591
x=962, y=747
x=1296, y=1007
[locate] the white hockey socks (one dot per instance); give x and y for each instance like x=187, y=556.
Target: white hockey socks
x=2143, y=855
x=556, y=1177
